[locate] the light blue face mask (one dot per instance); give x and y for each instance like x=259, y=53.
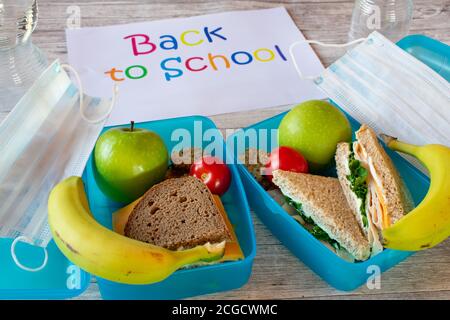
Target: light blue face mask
x=47, y=137
x=385, y=87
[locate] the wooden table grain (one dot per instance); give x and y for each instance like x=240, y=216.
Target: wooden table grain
x=277, y=274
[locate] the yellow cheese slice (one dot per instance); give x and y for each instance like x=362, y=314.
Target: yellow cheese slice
x=364, y=158
x=233, y=250
x=120, y=217
x=386, y=220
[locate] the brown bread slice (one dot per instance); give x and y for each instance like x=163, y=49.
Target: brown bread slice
x=255, y=160
x=324, y=202
x=177, y=213
x=398, y=199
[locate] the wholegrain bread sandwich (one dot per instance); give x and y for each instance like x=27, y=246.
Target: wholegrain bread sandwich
x=179, y=213
x=323, y=207
x=372, y=185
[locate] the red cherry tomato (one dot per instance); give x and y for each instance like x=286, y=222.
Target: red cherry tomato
x=287, y=159
x=213, y=173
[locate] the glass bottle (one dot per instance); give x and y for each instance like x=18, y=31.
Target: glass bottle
x=20, y=61
x=392, y=18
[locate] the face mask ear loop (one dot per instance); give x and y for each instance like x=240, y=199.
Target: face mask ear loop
x=334, y=45
x=80, y=89
x=16, y=260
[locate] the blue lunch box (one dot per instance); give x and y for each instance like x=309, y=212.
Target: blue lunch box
x=186, y=282
x=334, y=270
x=61, y=279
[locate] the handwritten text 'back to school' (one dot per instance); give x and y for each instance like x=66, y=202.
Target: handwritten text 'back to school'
x=174, y=67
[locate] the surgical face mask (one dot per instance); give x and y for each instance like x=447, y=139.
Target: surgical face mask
x=47, y=137
x=385, y=87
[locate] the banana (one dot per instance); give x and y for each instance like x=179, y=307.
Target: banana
x=107, y=254
x=429, y=223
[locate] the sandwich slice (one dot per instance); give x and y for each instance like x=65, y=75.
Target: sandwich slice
x=372, y=185
x=176, y=214
x=322, y=205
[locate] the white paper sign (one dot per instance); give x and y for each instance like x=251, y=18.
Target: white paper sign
x=202, y=65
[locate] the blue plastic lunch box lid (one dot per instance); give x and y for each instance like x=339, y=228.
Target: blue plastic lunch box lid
x=61, y=279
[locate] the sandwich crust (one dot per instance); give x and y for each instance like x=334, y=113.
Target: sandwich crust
x=322, y=200
x=398, y=201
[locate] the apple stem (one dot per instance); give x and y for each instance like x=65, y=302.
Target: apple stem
x=132, y=126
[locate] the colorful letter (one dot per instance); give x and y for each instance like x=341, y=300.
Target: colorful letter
x=112, y=74
x=129, y=75
x=213, y=33
x=183, y=38
x=249, y=56
x=169, y=76
x=171, y=40
x=257, y=57
x=146, y=41
x=280, y=52
x=189, y=67
x=213, y=64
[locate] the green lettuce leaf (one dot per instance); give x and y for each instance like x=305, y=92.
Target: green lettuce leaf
x=358, y=184
x=315, y=230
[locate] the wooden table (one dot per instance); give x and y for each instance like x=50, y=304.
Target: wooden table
x=277, y=274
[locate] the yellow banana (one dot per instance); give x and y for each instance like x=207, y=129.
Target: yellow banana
x=107, y=254
x=429, y=223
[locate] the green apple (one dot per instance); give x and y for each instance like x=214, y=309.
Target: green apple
x=314, y=128
x=128, y=161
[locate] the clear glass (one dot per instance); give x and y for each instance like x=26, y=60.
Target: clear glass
x=392, y=18
x=20, y=61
